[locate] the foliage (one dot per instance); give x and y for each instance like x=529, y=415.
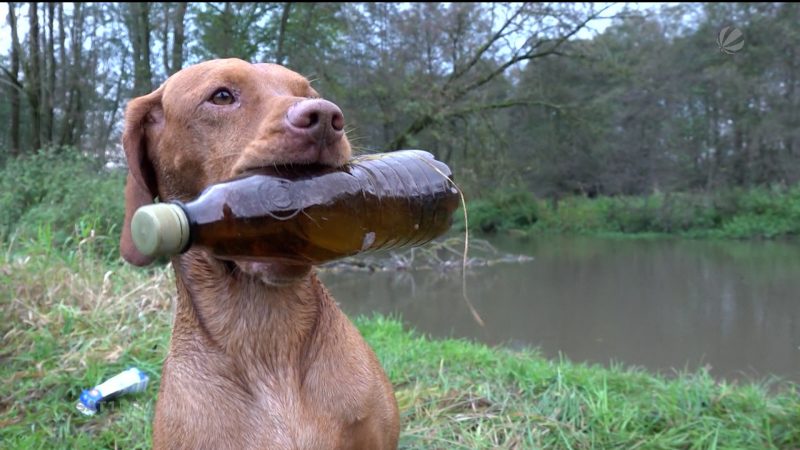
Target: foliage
x=228, y=31
x=762, y=213
x=501, y=210
x=737, y=213
x=574, y=215
x=60, y=198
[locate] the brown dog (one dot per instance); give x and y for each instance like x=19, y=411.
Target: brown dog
x=260, y=355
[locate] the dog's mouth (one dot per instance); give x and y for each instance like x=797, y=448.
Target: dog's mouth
x=274, y=272
x=279, y=271
x=289, y=170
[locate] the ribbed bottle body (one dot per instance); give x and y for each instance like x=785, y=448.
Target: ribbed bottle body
x=393, y=200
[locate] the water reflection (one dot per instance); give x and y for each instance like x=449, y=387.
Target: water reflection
x=662, y=304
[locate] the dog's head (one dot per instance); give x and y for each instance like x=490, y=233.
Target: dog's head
x=218, y=119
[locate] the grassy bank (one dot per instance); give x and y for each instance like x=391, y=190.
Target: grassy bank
x=758, y=213
x=70, y=320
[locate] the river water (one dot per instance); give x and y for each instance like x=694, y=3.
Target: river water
x=662, y=304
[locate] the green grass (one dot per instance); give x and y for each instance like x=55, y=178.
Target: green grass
x=69, y=320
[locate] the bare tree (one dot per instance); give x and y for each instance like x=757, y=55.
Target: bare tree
x=279, y=51
x=49, y=88
x=137, y=19
x=33, y=76
x=72, y=83
x=178, y=38
x=15, y=85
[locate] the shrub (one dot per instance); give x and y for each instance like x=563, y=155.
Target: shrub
x=501, y=210
x=576, y=215
x=60, y=197
x=734, y=213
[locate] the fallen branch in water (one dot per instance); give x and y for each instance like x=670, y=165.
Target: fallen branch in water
x=440, y=255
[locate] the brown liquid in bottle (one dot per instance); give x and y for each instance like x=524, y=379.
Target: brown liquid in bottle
x=386, y=201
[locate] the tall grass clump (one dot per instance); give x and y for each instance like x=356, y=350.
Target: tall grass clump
x=59, y=197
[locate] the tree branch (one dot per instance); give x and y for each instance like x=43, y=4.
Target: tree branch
x=499, y=105
x=529, y=55
x=11, y=84
x=422, y=122
x=483, y=49
x=12, y=79
x=426, y=119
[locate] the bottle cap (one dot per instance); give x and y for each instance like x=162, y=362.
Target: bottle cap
x=160, y=230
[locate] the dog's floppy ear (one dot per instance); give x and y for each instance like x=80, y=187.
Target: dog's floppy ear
x=141, y=114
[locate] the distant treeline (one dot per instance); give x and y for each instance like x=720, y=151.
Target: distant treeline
x=511, y=95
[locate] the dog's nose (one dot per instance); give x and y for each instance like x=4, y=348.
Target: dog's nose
x=320, y=119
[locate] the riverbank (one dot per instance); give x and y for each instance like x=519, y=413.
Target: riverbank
x=71, y=320
x=758, y=213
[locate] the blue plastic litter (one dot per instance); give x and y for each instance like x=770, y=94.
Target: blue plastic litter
x=129, y=381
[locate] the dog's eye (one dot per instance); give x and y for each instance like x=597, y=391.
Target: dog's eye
x=222, y=97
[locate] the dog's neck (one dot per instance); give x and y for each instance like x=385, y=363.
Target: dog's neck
x=221, y=309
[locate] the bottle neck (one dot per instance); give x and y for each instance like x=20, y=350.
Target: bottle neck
x=190, y=220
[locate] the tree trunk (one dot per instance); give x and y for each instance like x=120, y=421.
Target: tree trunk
x=178, y=37
x=146, y=81
x=279, y=52
x=14, y=97
x=73, y=87
x=138, y=22
x=51, y=74
x=34, y=78
x=165, y=39
x=61, y=98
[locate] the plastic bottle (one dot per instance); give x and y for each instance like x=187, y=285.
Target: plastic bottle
x=130, y=381
x=384, y=201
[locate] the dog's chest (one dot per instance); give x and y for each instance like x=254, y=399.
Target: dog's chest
x=304, y=418
x=265, y=416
